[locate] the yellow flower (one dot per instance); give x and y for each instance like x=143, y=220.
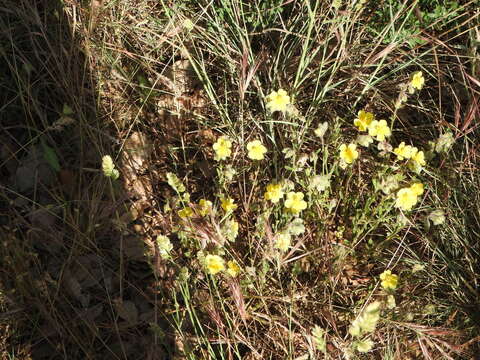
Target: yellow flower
x=404, y=151
x=417, y=80
x=363, y=120
x=256, y=150
x=205, y=207
x=417, y=188
x=274, y=192
x=419, y=157
x=228, y=204
x=406, y=199
x=379, y=129
x=232, y=268
x=295, y=202
x=214, y=264
x=389, y=280
x=348, y=153
x=185, y=213
x=283, y=241
x=278, y=101
x=223, y=148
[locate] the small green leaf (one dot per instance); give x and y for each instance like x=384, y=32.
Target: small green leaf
x=50, y=156
x=67, y=110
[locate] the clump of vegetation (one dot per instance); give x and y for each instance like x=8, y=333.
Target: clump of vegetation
x=261, y=180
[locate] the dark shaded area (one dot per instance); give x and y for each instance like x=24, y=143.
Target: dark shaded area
x=66, y=289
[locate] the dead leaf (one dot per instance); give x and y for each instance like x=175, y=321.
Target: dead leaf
x=126, y=310
x=136, y=152
x=133, y=248
x=33, y=169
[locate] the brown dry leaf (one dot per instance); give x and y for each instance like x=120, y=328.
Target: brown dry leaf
x=126, y=310
x=74, y=288
x=67, y=181
x=135, y=157
x=136, y=153
x=34, y=169
x=133, y=248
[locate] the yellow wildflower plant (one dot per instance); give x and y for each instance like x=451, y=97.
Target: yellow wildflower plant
x=274, y=193
x=222, y=148
x=214, y=264
x=417, y=80
x=233, y=269
x=278, y=101
x=404, y=151
x=283, y=241
x=185, y=213
x=379, y=129
x=295, y=203
x=348, y=153
x=204, y=207
x=363, y=120
x=228, y=204
x=389, y=280
x=256, y=150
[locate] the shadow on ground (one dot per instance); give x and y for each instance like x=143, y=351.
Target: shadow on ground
x=75, y=283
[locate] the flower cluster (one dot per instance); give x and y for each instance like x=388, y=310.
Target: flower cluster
x=215, y=264
x=407, y=152
x=378, y=129
x=164, y=246
x=108, y=168
x=363, y=120
x=223, y=149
